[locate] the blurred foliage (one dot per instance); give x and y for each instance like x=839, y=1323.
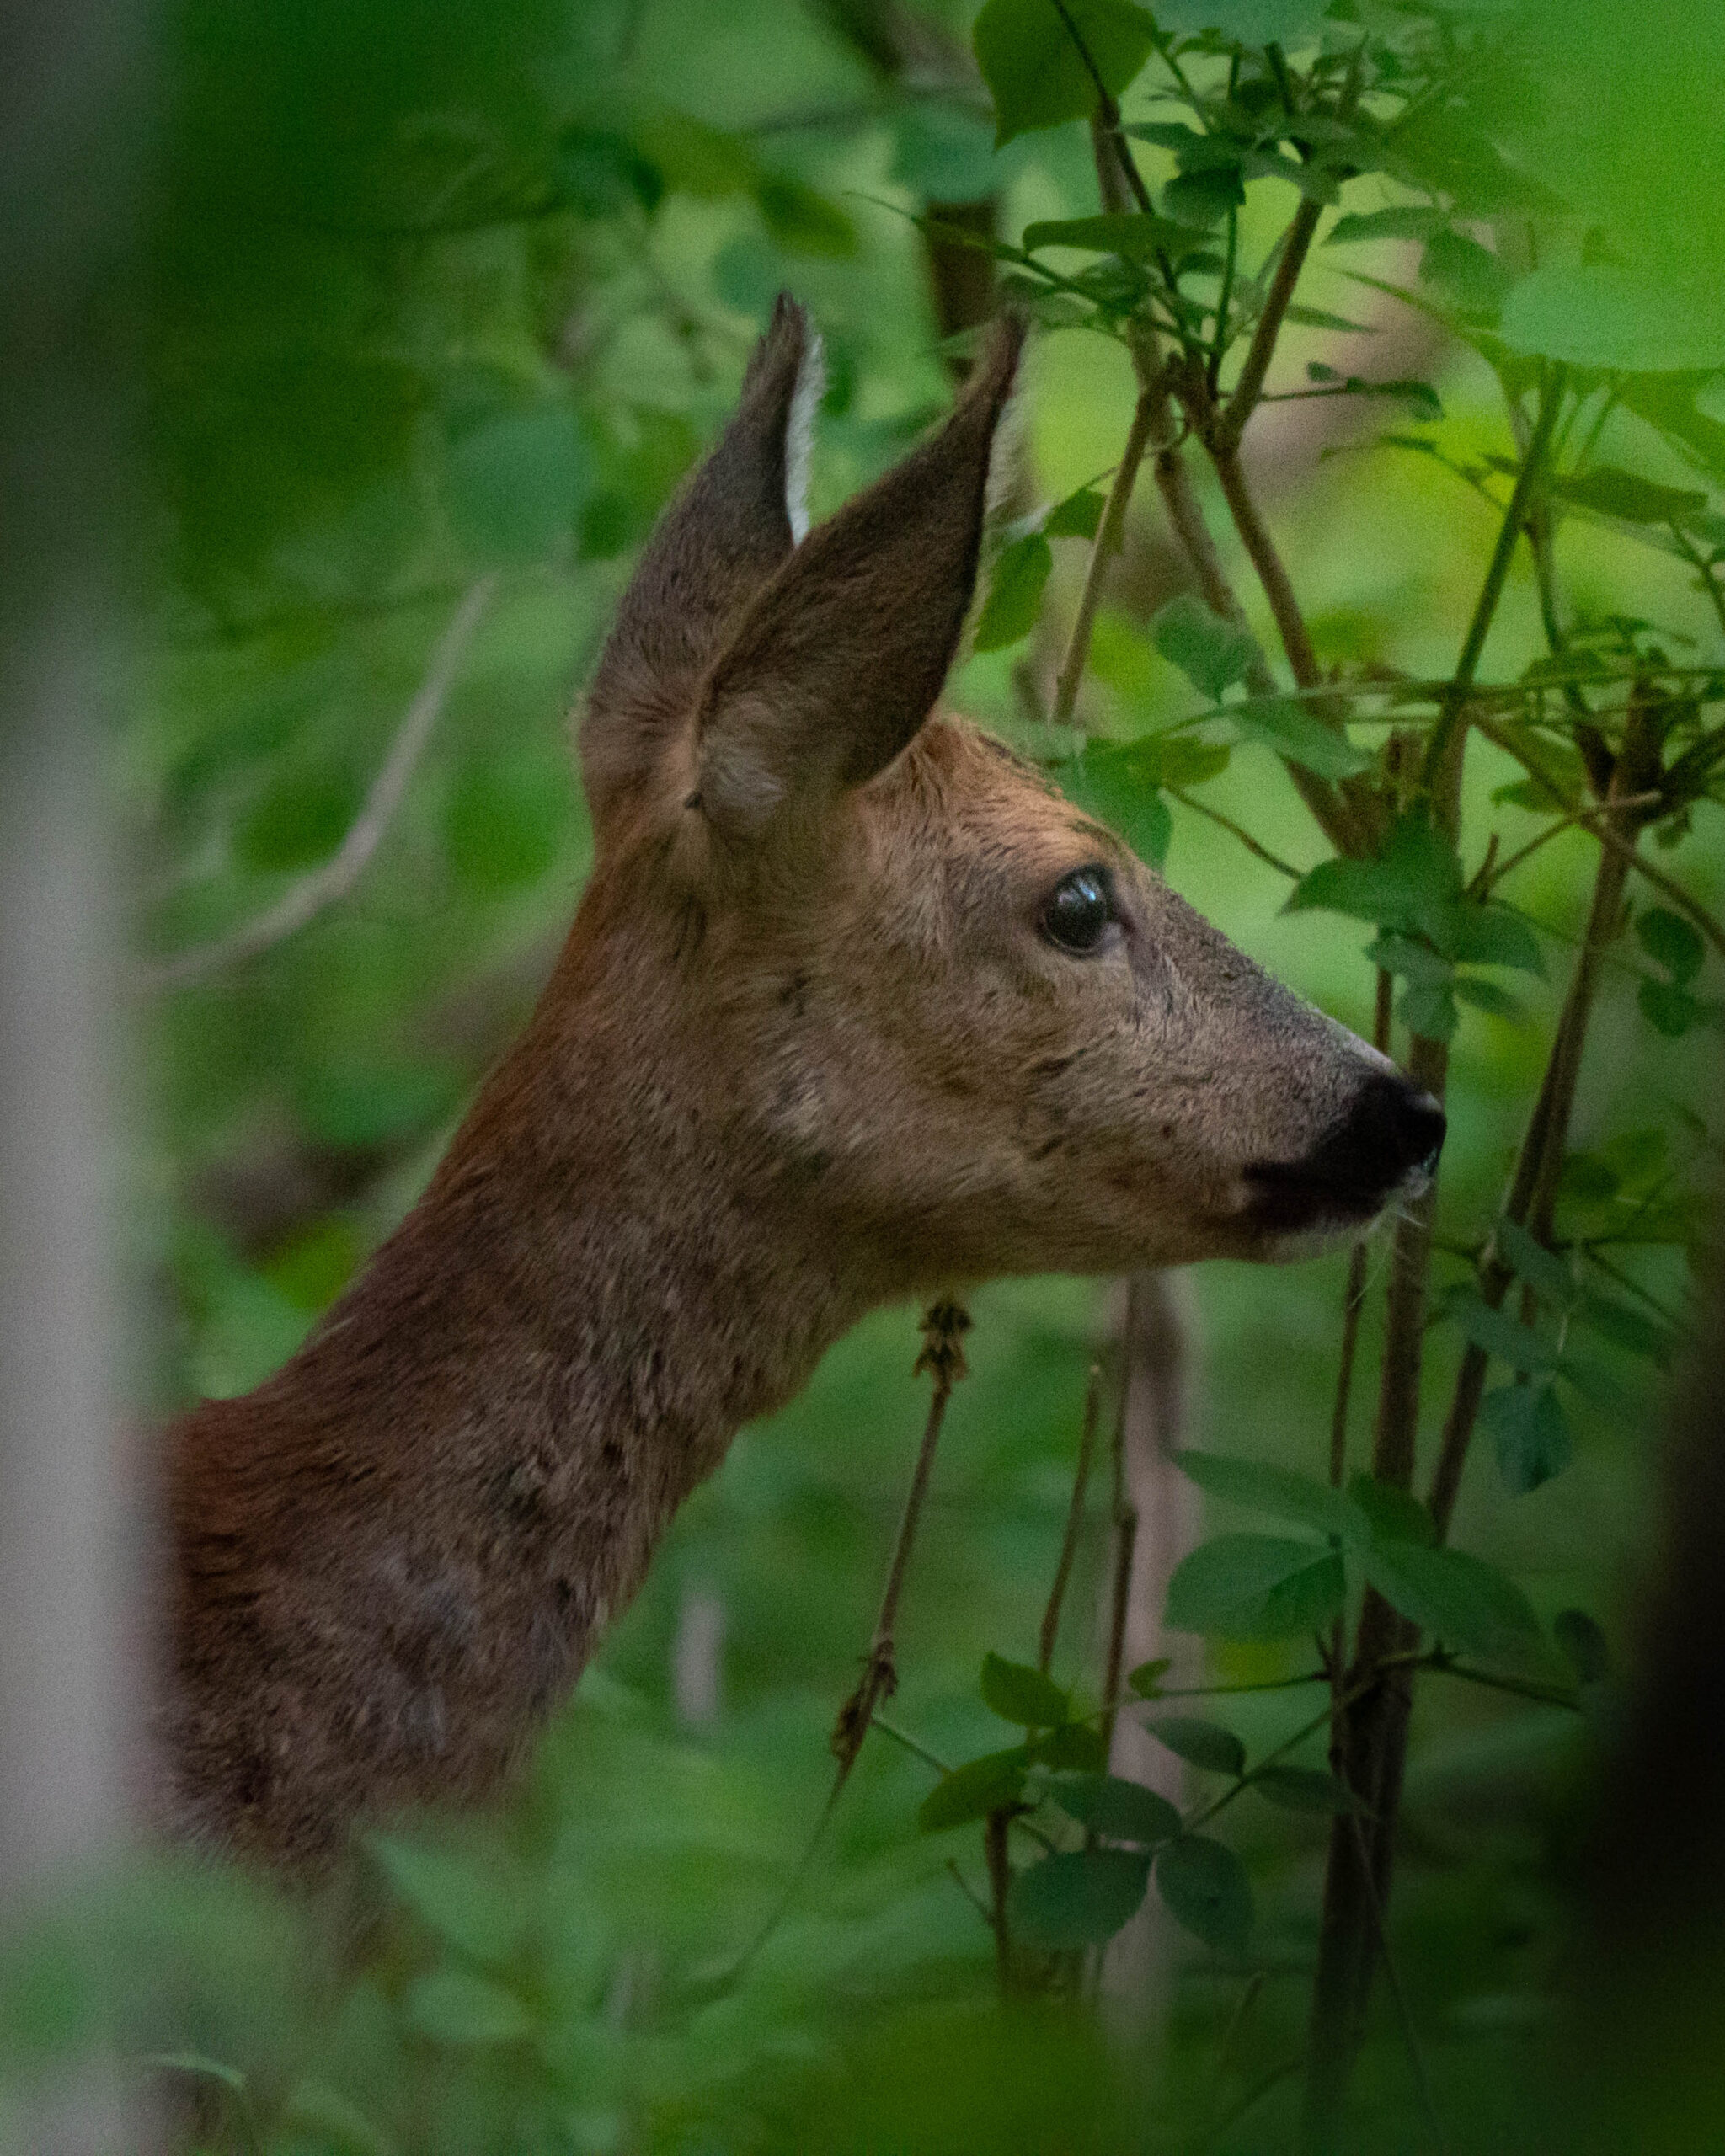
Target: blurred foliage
x=451, y=289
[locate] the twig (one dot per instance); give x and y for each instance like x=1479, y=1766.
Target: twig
x=1442, y=761
x=1238, y=830
x=943, y=1329
x=1110, y=534
x=1612, y=840
x=1231, y=423
x=1404, y=2014
x=308, y=898
x=1582, y=816
x=1000, y=1880
x=1126, y=1520
x=1075, y=1521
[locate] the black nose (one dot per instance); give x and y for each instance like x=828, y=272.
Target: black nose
x=1393, y=1130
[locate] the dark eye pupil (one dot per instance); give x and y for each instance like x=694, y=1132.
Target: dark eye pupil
x=1079, y=911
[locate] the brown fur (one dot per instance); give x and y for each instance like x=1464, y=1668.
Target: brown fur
x=806, y=1050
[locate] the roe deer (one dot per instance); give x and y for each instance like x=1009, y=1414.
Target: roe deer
x=855, y=1008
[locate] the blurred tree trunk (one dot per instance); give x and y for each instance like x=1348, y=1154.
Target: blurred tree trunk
x=1155, y=1378
x=1653, y=1965
x=70, y=1669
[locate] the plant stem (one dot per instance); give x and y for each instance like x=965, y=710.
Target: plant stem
x=1531, y=1194
x=1075, y=1521
x=1239, y=831
x=1110, y=535
x=1230, y=425
x=1370, y=1747
x=944, y=1328
x=1125, y=1520
x=1000, y=1879
x=1442, y=760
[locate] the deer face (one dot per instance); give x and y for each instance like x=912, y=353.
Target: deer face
x=958, y=1019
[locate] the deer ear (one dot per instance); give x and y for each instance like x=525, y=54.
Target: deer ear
x=838, y=660
x=732, y=527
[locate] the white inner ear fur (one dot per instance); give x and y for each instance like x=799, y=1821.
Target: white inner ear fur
x=799, y=433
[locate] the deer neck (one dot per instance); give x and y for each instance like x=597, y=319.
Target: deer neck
x=398, y=1554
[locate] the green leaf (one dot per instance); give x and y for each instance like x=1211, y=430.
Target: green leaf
x=1547, y=1273
x=503, y=820
x=1305, y=1789
x=1396, y=1515
x=1597, y=314
x=1245, y=22
x=1304, y=738
x=1255, y=1587
x=1670, y=941
x=1415, y=962
x=451, y=2006
x=1490, y=936
x=1018, y=1693
x=1147, y=1680
x=1486, y=995
x=1631, y=1330
x=1609, y=492
x=1709, y=400
x=1414, y=886
x=975, y=1789
x=1204, y=1886
x=1530, y=1433
x=1278, y=1490
x=1034, y=71
x=301, y=818
x=1583, y=1646
x=1429, y=1011
x=1408, y=220
x=1200, y=1743
x=1080, y=1897
x=1212, y=653
x=1123, y=1811
x=1130, y=234
x=1461, y=1600
x=1203, y=198
x=333, y=2120
x=1077, y=517
x=1118, y=783
x=460, y=1898
x=1669, y=1009
x=1516, y=1345
x=801, y=220
x=516, y=482
x=1014, y=593
x=1468, y=276
x=1079, y=1746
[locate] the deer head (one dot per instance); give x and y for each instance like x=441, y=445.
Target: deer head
x=971, y=1028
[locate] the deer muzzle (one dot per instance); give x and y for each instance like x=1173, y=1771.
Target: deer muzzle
x=1385, y=1147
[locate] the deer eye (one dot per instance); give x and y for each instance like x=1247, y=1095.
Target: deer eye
x=1079, y=911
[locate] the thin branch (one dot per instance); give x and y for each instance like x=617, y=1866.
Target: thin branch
x=1075, y=1521
x=943, y=1327
x=1404, y=2012
x=308, y=898
x=1107, y=120
x=943, y=1356
x=1251, y=844
x=1110, y=535
x=1442, y=763
x=1585, y=816
x=1124, y=1514
x=1230, y=425
x=1612, y=840
x=1710, y=583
